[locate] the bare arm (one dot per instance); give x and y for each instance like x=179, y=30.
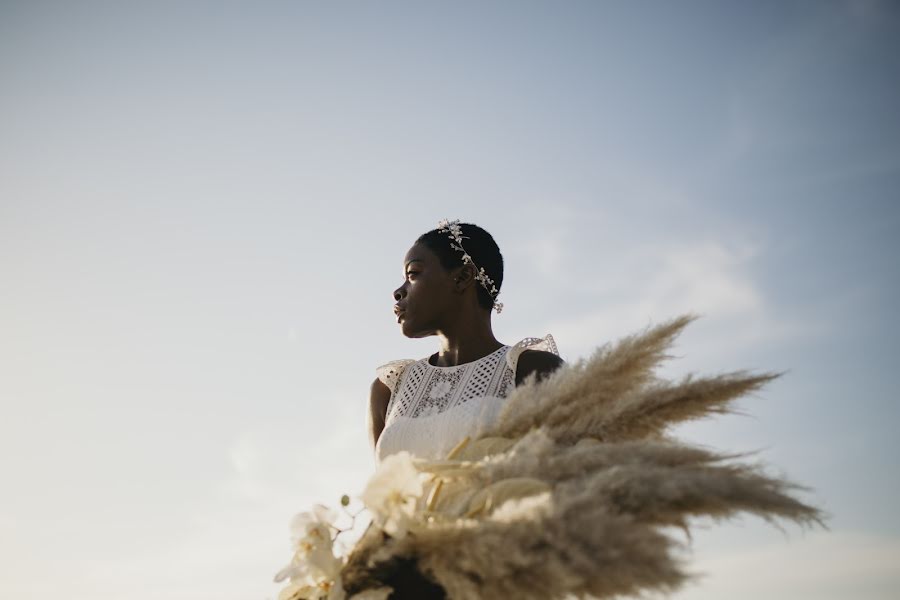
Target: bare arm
x=537, y=361
x=378, y=400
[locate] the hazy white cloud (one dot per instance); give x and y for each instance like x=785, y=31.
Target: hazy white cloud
x=818, y=566
x=707, y=278
x=546, y=254
x=231, y=547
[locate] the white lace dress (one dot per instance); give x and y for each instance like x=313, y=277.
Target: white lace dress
x=433, y=408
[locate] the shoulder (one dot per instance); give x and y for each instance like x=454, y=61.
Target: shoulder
x=379, y=396
x=540, y=362
x=390, y=373
x=387, y=377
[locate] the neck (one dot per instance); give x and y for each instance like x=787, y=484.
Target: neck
x=466, y=340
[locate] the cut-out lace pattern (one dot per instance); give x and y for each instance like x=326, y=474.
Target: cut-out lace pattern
x=432, y=408
x=426, y=390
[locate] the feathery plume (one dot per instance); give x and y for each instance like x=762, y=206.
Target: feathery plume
x=574, y=491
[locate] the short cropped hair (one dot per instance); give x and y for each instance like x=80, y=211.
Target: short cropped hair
x=479, y=244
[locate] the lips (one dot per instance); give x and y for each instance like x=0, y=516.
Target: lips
x=399, y=312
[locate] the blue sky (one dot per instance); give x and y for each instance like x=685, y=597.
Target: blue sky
x=203, y=209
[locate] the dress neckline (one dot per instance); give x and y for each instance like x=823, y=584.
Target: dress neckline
x=427, y=359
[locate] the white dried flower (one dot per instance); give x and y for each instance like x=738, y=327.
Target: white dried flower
x=392, y=493
x=314, y=569
x=326, y=590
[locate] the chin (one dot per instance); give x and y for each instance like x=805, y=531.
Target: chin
x=409, y=330
x=406, y=329
x=411, y=333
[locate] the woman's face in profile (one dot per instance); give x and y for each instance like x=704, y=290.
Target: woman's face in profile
x=426, y=293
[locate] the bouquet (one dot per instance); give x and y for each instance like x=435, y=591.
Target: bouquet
x=578, y=490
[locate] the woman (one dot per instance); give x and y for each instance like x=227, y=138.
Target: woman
x=452, y=276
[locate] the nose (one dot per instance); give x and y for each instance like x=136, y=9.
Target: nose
x=400, y=293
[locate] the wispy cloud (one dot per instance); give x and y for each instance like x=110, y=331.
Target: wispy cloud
x=820, y=566
x=706, y=277
x=232, y=547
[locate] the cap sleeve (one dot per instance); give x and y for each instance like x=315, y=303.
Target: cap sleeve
x=390, y=373
x=546, y=343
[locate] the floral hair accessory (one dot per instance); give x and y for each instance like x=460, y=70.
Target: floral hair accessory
x=454, y=230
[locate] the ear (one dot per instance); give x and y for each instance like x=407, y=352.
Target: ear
x=464, y=277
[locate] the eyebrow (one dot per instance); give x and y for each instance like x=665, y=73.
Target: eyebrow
x=412, y=261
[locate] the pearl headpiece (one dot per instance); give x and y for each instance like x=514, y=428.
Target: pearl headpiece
x=455, y=233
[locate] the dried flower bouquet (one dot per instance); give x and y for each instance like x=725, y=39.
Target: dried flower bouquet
x=575, y=491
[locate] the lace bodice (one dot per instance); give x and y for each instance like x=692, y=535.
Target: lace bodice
x=432, y=408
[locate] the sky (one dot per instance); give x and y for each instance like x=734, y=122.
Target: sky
x=204, y=208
